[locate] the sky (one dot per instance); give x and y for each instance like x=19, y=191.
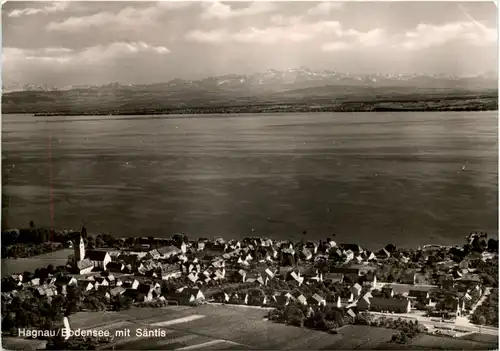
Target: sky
x=140, y=42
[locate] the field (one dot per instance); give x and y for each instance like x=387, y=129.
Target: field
x=447, y=343
x=491, y=339
x=361, y=337
x=235, y=327
x=56, y=258
x=22, y=344
x=222, y=327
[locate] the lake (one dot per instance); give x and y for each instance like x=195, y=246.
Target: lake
x=369, y=178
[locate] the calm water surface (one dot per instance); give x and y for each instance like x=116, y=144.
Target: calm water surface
x=370, y=178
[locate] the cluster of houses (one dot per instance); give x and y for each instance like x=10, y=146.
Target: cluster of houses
x=208, y=265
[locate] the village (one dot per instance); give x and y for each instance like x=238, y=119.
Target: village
x=441, y=287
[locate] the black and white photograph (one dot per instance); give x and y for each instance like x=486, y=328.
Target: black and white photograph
x=237, y=175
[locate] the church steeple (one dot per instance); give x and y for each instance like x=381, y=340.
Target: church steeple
x=79, y=249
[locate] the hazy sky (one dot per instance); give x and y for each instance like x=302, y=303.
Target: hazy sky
x=63, y=43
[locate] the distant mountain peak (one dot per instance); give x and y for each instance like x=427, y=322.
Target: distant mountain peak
x=289, y=78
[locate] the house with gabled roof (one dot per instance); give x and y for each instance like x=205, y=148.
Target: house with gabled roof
x=454, y=305
x=306, y=254
x=348, y=255
x=382, y=255
x=84, y=266
x=351, y=313
x=279, y=300
x=302, y=299
x=64, y=281
x=117, y=290
x=316, y=300
x=269, y=273
x=50, y=281
x=185, y=295
x=390, y=305
x=355, y=248
x=354, y=273
x=17, y=277
x=99, y=259
x=383, y=304
x=170, y=271
x=41, y=291
x=356, y=290
x=115, y=267
x=34, y=282
x=168, y=251
x=218, y=263
x=243, y=274
x=420, y=295
x=364, y=302
x=369, y=255
x=153, y=254
x=333, y=278
x=102, y=281
x=85, y=285
x=387, y=291
x=296, y=276
x=290, y=297
x=131, y=284
x=336, y=254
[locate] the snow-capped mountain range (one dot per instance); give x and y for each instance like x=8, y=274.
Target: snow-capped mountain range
x=290, y=79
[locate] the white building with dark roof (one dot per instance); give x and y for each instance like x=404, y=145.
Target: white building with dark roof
x=99, y=259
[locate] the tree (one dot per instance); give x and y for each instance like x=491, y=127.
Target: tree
x=99, y=242
x=84, y=232
x=120, y=303
x=334, y=314
x=316, y=321
x=90, y=242
x=390, y=248
x=294, y=316
x=27, y=276
x=73, y=343
x=492, y=245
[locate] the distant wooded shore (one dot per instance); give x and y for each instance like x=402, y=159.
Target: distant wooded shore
x=488, y=104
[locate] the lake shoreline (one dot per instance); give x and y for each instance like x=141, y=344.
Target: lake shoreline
x=438, y=103
x=261, y=111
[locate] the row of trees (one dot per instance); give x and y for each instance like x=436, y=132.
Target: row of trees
x=487, y=312
x=488, y=271
x=326, y=318
x=76, y=343
x=330, y=318
x=23, y=250
x=47, y=313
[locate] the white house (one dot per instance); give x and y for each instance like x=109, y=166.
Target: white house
x=302, y=299
x=356, y=290
x=297, y=277
x=85, y=285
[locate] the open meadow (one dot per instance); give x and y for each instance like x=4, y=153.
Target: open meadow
x=236, y=327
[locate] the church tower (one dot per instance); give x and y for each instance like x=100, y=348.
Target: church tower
x=79, y=250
